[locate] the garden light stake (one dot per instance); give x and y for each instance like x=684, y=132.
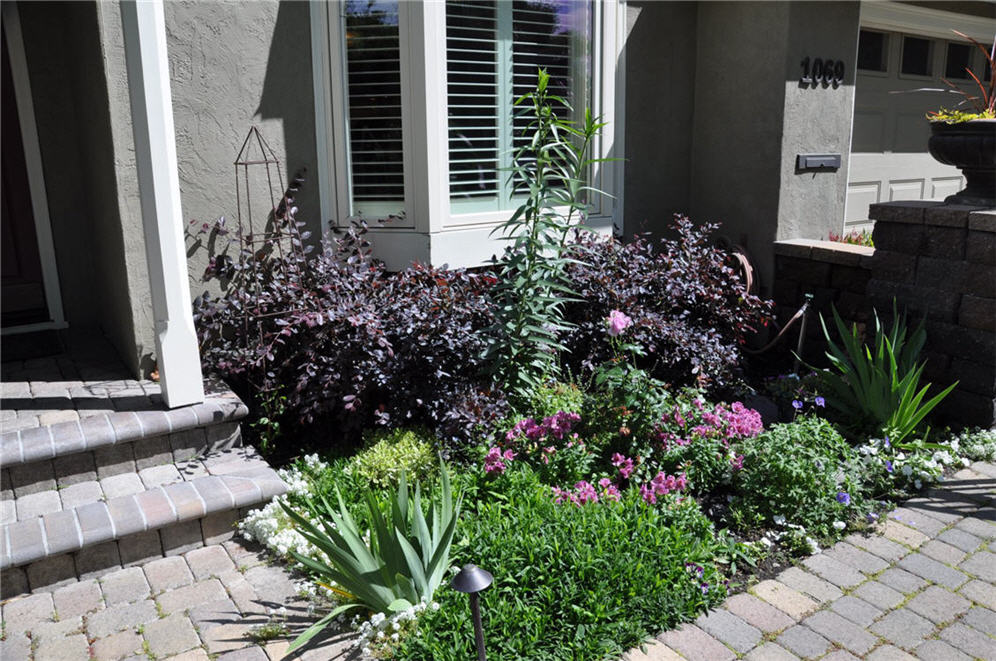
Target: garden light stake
x=472, y=579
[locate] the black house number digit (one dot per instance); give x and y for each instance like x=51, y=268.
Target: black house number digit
x=822, y=72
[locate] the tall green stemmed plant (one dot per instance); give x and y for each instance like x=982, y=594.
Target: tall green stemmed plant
x=550, y=169
x=878, y=387
x=403, y=563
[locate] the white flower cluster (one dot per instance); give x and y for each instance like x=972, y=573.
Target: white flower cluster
x=913, y=467
x=381, y=635
x=979, y=445
x=794, y=535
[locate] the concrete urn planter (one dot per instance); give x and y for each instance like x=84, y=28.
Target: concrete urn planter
x=971, y=147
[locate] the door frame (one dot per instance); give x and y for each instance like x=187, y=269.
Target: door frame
x=36, y=176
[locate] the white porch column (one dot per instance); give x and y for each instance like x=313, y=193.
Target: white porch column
x=144, y=26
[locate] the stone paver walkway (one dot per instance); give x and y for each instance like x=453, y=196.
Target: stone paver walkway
x=192, y=607
x=923, y=587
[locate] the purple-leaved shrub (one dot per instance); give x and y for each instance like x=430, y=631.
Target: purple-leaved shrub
x=690, y=310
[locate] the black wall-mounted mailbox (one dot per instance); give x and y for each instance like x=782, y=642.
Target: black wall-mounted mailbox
x=818, y=162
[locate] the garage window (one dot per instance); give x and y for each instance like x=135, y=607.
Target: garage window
x=872, y=47
x=916, y=58
x=959, y=58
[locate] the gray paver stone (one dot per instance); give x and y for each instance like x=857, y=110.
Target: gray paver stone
x=192, y=596
x=209, y=561
x=182, y=537
x=52, y=572
x=171, y=635
x=781, y=596
x=803, y=641
x=655, y=651
x=68, y=648
x=981, y=565
x=37, y=504
x=192, y=655
x=140, y=548
x=928, y=525
x=938, y=650
x=156, y=476
x=74, y=468
x=980, y=592
x=81, y=493
x=24, y=613
x=938, y=605
x=833, y=570
x=970, y=641
x=961, y=539
x=771, y=652
x=696, y=645
x=730, y=629
x=242, y=594
x=840, y=655
x=271, y=583
x=117, y=646
x=889, y=653
x=809, y=584
x=13, y=582
x=124, y=586
x=982, y=619
x=903, y=628
x=15, y=646
x=124, y=484
x=932, y=570
x=841, y=631
x=879, y=595
x=227, y=637
x=757, y=613
x=77, y=599
x=48, y=632
x=856, y=610
x=244, y=553
x=902, y=580
x=863, y=561
x=942, y=552
x=214, y=613
x=245, y=654
x=95, y=561
x=897, y=532
x=122, y=616
x=977, y=527
x=167, y=574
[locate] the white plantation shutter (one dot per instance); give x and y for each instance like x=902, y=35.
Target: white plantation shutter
x=373, y=79
x=493, y=51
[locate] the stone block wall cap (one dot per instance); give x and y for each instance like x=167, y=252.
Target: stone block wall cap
x=903, y=211
x=833, y=252
x=982, y=221
x=949, y=215
x=794, y=247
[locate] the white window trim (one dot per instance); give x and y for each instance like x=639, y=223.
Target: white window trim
x=896, y=17
x=36, y=175
x=422, y=31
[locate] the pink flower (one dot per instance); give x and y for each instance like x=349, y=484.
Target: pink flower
x=624, y=464
x=560, y=495
x=737, y=462
x=648, y=495
x=604, y=482
x=618, y=322
x=493, y=460
x=585, y=492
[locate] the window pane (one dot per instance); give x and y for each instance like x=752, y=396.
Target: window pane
x=959, y=58
x=494, y=50
x=374, y=90
x=916, y=56
x=871, y=50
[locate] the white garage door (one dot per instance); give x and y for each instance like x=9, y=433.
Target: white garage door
x=889, y=158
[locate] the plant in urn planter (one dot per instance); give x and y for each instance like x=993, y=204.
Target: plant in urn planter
x=966, y=136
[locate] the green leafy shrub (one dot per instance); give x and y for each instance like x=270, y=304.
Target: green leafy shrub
x=401, y=565
x=390, y=453
x=574, y=582
x=554, y=397
x=876, y=388
x=803, y=471
x=977, y=445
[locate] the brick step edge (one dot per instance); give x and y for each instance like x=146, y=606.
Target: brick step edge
x=39, y=443
x=71, y=530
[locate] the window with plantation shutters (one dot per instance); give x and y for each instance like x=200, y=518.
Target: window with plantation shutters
x=493, y=51
x=373, y=87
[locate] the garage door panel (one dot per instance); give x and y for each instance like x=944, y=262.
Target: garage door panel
x=912, y=131
x=859, y=196
x=869, y=127
x=941, y=187
x=910, y=189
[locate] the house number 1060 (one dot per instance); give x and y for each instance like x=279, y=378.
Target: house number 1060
x=825, y=72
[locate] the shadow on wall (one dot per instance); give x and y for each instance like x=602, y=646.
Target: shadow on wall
x=288, y=95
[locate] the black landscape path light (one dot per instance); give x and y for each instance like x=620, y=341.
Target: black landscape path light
x=472, y=579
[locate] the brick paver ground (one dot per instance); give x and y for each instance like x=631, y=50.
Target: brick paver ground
x=922, y=587
x=192, y=607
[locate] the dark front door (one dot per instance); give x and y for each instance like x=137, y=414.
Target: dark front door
x=22, y=299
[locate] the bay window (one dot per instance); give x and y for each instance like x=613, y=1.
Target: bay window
x=416, y=115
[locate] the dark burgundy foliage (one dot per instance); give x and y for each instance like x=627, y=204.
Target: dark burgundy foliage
x=690, y=308
x=350, y=343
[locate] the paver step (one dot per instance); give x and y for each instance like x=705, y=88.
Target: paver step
x=198, y=508
x=80, y=490
x=93, y=433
